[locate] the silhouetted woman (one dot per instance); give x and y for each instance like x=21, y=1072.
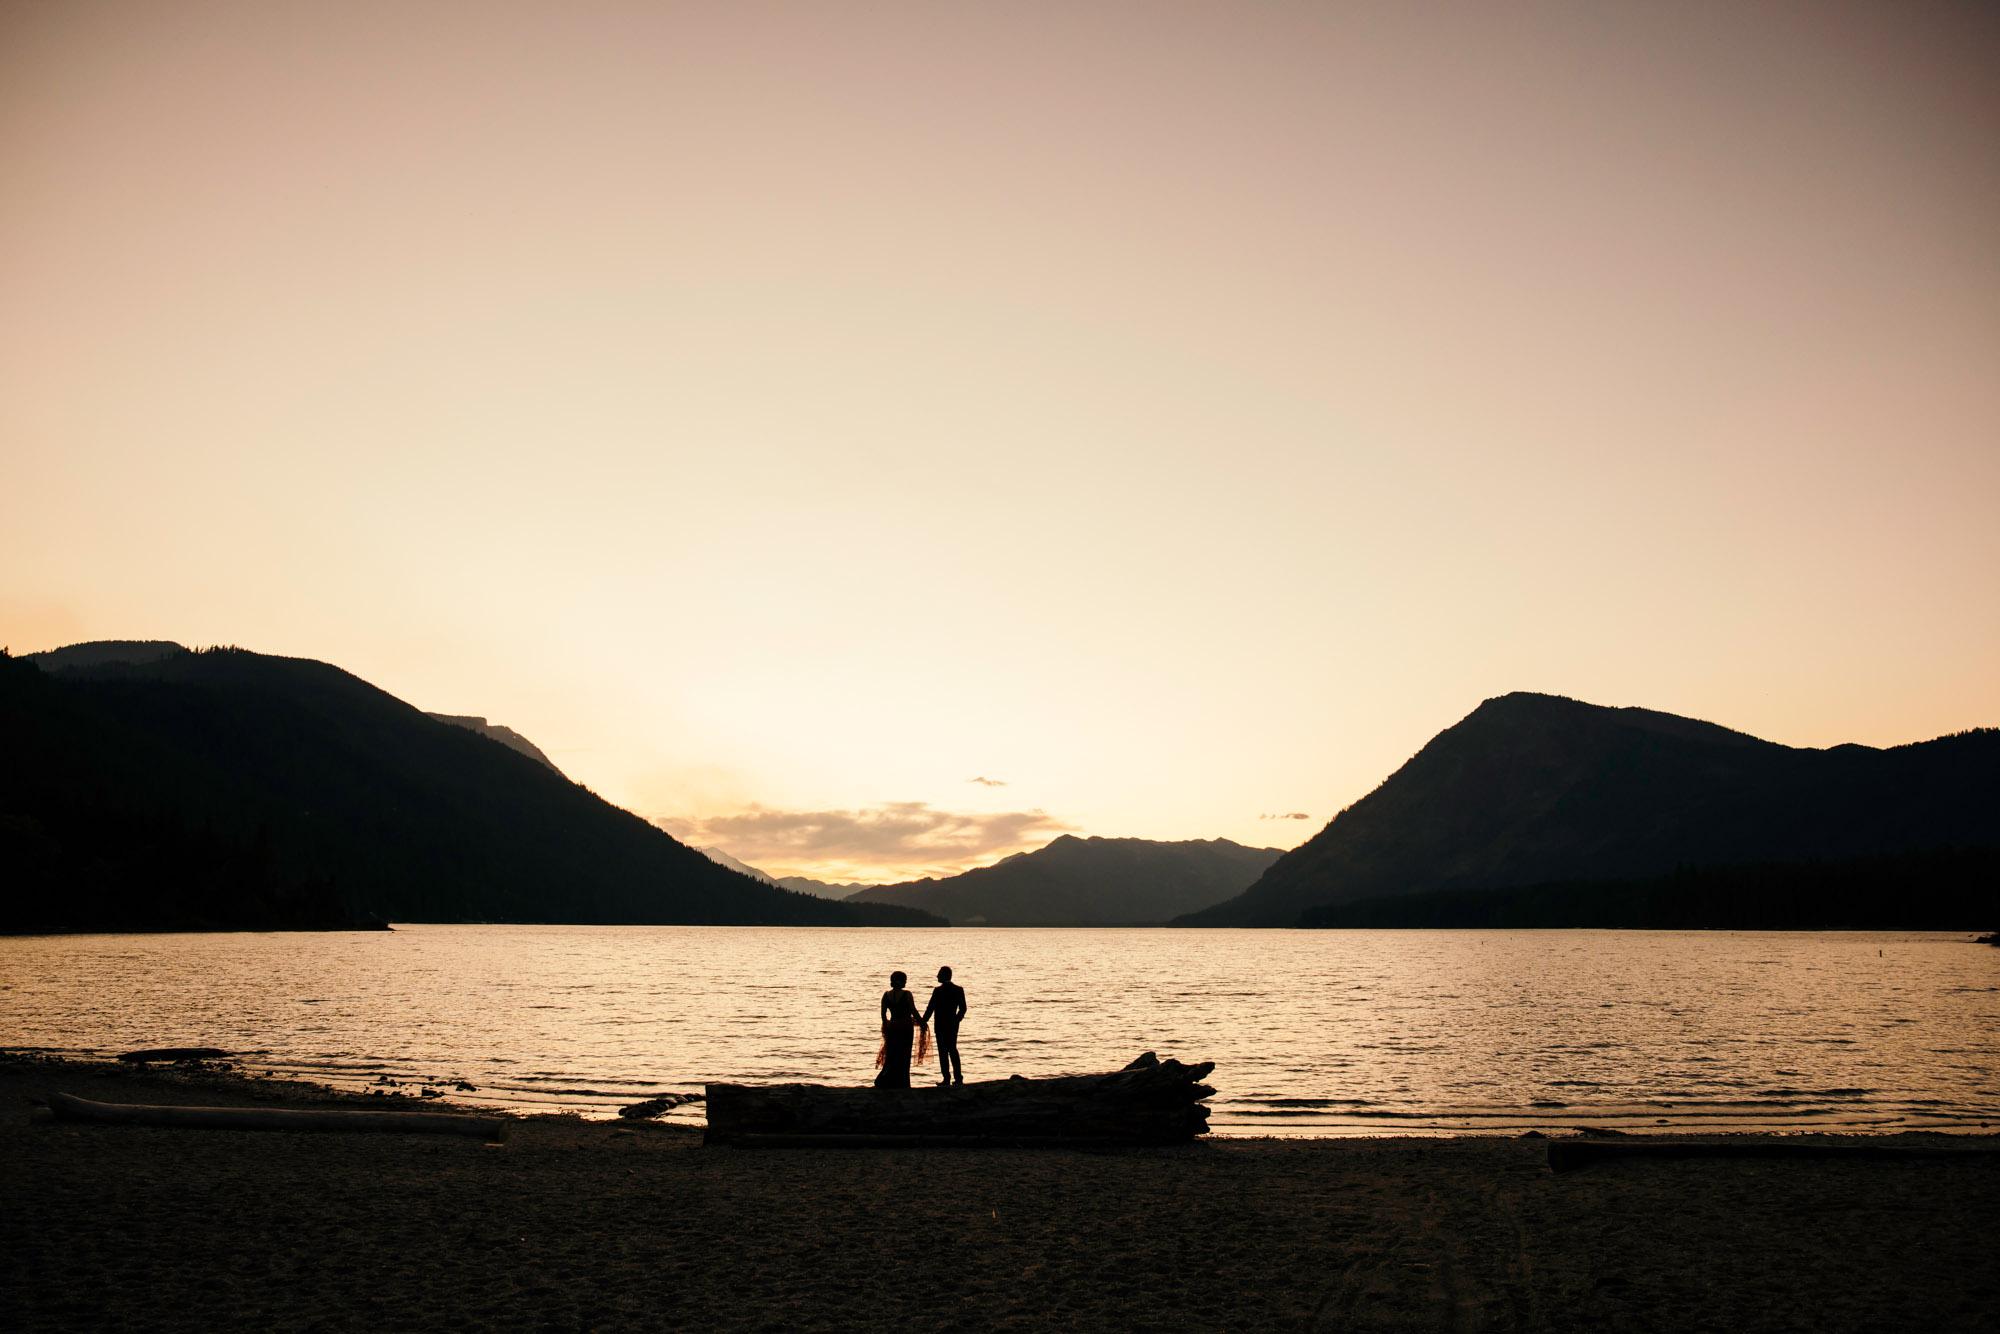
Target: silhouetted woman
x=899, y=1025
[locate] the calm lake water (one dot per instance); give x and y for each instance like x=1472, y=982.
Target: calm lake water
x=1312, y=1032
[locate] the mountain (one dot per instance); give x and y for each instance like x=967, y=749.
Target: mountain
x=1085, y=882
x=506, y=736
x=1537, y=789
x=1948, y=889
x=819, y=889
x=721, y=858
x=101, y=652
x=130, y=652
x=826, y=889
x=153, y=788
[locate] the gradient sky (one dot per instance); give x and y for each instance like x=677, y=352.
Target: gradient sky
x=1171, y=414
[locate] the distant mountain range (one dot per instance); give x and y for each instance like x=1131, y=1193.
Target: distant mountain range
x=147, y=787
x=821, y=889
x=1085, y=882
x=1538, y=790
x=826, y=889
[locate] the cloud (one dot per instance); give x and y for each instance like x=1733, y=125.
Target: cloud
x=897, y=838
x=1286, y=815
x=988, y=782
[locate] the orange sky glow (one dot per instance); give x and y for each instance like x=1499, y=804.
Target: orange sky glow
x=878, y=437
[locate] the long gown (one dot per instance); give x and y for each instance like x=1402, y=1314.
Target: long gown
x=897, y=1031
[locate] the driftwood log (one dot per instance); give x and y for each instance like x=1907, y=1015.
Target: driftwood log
x=63, y=1107
x=152, y=1054
x=1567, y=1155
x=652, y=1107
x=1158, y=1103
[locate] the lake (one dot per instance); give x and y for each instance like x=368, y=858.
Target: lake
x=1312, y=1032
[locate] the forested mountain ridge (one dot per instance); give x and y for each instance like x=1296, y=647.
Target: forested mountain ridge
x=1085, y=882
x=1938, y=889
x=506, y=736
x=225, y=788
x=1538, y=789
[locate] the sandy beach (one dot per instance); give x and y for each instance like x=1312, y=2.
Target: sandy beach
x=573, y=1225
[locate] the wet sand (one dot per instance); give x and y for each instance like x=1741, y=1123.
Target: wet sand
x=574, y=1225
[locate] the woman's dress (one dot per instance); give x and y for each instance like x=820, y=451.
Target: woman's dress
x=897, y=1031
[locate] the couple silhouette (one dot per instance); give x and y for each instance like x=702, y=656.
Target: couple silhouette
x=901, y=1024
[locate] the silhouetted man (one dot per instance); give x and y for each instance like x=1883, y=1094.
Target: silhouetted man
x=947, y=1006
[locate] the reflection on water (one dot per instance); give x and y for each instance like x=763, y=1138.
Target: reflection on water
x=1312, y=1032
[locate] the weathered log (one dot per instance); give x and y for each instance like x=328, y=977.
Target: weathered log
x=1156, y=1104
x=1567, y=1155
x=928, y=1142
x=68, y=1108
x=652, y=1107
x=173, y=1054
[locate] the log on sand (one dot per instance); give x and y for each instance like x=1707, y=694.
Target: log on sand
x=63, y=1107
x=1157, y=1103
x=753, y=1141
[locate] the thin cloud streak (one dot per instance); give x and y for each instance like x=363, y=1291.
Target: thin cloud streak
x=898, y=839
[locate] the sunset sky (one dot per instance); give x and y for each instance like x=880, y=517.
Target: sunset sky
x=878, y=437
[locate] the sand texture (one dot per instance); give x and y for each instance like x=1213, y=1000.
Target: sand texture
x=576, y=1225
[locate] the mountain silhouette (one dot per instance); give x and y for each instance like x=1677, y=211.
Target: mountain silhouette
x=147, y=787
x=721, y=858
x=1537, y=789
x=506, y=736
x=103, y=652
x=1085, y=882
x=1945, y=889
x=826, y=889
x=819, y=889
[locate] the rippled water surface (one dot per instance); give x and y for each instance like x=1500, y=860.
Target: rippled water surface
x=1312, y=1032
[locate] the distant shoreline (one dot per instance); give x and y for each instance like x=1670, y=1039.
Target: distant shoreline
x=1941, y=889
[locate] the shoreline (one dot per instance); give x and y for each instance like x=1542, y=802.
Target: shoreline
x=576, y=1224
x=225, y=1078
x=385, y=1084
x=374, y=1084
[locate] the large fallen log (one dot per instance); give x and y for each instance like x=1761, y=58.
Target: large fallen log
x=752, y=1141
x=1142, y=1104
x=64, y=1107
